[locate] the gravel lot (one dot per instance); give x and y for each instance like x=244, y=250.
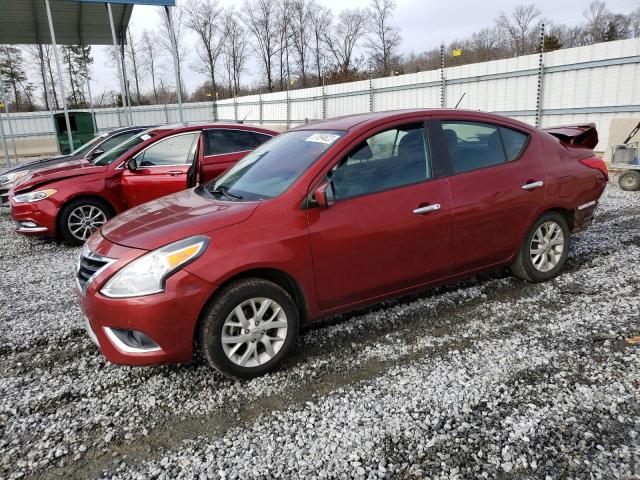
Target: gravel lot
x=490, y=377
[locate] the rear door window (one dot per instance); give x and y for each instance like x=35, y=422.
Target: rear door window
x=221, y=141
x=474, y=145
x=514, y=142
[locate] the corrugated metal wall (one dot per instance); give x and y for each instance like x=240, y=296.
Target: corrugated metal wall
x=585, y=84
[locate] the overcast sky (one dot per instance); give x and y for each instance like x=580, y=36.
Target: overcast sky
x=423, y=25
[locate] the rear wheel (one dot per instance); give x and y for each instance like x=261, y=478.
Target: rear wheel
x=629, y=180
x=249, y=329
x=80, y=218
x=545, y=249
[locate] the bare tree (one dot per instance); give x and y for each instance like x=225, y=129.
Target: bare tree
x=204, y=18
x=235, y=52
x=597, y=17
x=301, y=35
x=320, y=22
x=283, y=27
x=132, y=54
x=41, y=58
x=149, y=43
x=521, y=27
x=634, y=23
x=177, y=16
x=385, y=39
x=342, y=41
x=260, y=17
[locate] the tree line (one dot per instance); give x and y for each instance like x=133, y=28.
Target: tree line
x=294, y=43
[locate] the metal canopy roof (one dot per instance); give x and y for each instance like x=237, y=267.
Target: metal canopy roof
x=75, y=22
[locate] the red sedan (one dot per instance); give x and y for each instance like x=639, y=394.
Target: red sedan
x=73, y=199
x=330, y=217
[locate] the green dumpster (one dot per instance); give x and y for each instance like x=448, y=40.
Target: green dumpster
x=82, y=129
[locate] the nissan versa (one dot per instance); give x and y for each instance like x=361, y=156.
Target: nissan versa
x=330, y=217
x=74, y=199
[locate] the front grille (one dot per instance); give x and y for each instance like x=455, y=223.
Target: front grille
x=89, y=266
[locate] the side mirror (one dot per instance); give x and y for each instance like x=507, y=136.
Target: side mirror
x=132, y=164
x=96, y=153
x=323, y=195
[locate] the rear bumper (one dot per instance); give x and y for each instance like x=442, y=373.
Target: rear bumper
x=35, y=218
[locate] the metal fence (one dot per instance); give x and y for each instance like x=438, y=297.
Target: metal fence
x=586, y=84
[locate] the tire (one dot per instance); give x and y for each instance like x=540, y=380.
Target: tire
x=249, y=357
x=96, y=212
x=629, y=180
x=540, y=267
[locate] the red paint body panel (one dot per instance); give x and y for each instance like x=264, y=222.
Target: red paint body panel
x=353, y=253
x=113, y=183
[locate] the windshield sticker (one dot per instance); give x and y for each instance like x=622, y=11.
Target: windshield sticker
x=145, y=137
x=326, y=138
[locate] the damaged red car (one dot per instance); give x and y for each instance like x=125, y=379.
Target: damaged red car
x=73, y=199
x=328, y=218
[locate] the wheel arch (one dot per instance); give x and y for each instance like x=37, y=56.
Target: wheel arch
x=279, y=277
x=99, y=198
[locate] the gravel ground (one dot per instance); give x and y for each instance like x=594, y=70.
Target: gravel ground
x=489, y=377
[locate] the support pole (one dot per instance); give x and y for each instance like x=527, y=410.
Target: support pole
x=261, y=107
x=324, y=100
x=3, y=99
x=5, y=149
x=119, y=62
x=540, y=91
x=127, y=87
x=443, y=84
x=370, y=93
x=56, y=54
x=175, y=61
x=93, y=113
x=47, y=95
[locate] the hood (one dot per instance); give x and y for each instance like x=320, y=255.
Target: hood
x=38, y=163
x=73, y=168
x=174, y=217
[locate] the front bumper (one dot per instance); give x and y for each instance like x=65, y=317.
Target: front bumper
x=35, y=218
x=168, y=319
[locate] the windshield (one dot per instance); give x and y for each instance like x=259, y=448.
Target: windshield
x=112, y=155
x=271, y=168
x=81, y=150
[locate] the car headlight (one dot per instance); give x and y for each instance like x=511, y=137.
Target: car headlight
x=147, y=274
x=9, y=178
x=34, y=196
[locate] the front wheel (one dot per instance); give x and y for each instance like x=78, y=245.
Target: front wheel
x=80, y=218
x=545, y=249
x=249, y=328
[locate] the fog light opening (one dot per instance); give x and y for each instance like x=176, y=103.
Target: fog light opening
x=131, y=341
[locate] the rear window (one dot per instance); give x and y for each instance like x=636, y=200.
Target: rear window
x=221, y=141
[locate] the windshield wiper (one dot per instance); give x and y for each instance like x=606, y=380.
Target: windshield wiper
x=225, y=192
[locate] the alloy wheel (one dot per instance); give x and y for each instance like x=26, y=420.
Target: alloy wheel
x=84, y=220
x=547, y=246
x=254, y=332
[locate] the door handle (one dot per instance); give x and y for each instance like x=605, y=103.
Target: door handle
x=532, y=185
x=427, y=209
x=174, y=173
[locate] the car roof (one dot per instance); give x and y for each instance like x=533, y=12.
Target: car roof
x=185, y=127
x=351, y=122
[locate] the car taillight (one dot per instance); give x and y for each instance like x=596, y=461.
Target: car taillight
x=597, y=163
